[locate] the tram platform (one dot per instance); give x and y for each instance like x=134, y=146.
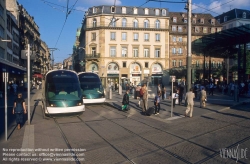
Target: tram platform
x=43, y=134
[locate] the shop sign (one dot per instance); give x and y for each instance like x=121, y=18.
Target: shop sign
x=156, y=69
x=135, y=68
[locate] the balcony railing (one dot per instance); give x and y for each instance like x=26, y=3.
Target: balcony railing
x=127, y=25
x=90, y=56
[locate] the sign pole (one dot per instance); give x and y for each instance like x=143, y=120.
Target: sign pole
x=172, y=79
x=5, y=79
x=28, y=89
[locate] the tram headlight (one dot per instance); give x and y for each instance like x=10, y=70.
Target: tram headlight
x=79, y=104
x=52, y=105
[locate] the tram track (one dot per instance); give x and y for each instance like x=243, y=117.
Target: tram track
x=215, y=153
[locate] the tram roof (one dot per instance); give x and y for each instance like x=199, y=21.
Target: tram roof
x=220, y=42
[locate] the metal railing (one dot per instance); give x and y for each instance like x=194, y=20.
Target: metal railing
x=95, y=55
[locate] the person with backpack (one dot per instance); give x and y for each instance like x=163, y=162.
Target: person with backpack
x=19, y=109
x=157, y=103
x=144, y=96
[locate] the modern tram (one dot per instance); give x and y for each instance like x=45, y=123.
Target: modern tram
x=92, y=88
x=62, y=93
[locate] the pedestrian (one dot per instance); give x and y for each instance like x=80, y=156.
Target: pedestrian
x=116, y=86
x=144, y=102
x=125, y=101
x=157, y=103
x=203, y=97
x=181, y=90
x=162, y=92
x=158, y=88
x=19, y=109
x=138, y=88
x=211, y=86
x=14, y=86
x=190, y=102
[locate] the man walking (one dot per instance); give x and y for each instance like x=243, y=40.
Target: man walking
x=190, y=102
x=144, y=102
x=211, y=86
x=203, y=97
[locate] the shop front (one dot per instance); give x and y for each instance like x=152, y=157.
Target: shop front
x=135, y=73
x=113, y=73
x=156, y=74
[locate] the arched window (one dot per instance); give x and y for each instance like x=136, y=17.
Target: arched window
x=180, y=62
x=146, y=23
x=124, y=22
x=157, y=24
x=94, y=22
x=174, y=63
x=135, y=23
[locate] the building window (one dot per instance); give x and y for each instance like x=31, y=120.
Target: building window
x=204, y=29
x=124, y=51
x=219, y=64
x=157, y=53
x=94, y=10
x=157, y=12
x=173, y=28
x=164, y=12
x=202, y=21
x=94, y=23
x=180, y=51
x=180, y=63
x=197, y=63
x=146, y=52
x=244, y=15
x=136, y=36
x=135, y=52
x=185, y=20
x=194, y=21
x=197, y=29
x=218, y=29
x=213, y=64
x=146, y=37
x=146, y=24
x=135, y=23
x=93, y=51
x=112, y=36
x=112, y=9
x=206, y=64
x=124, y=64
x=173, y=51
x=1, y=31
x=135, y=10
x=174, y=19
x=179, y=29
x=174, y=63
x=212, y=21
x=93, y=36
x=157, y=37
x=124, y=22
x=174, y=39
x=180, y=39
x=124, y=36
x=146, y=11
x=225, y=18
x=212, y=30
x=124, y=10
x=157, y=24
x=146, y=64
x=112, y=51
x=113, y=22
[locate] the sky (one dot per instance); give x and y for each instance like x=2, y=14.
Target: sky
x=59, y=32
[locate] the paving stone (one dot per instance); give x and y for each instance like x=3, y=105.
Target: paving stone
x=190, y=151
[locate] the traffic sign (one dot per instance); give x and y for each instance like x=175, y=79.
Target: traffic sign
x=173, y=78
x=24, y=54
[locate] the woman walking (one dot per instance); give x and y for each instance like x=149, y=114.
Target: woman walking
x=19, y=109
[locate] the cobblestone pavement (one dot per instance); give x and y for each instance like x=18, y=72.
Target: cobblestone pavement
x=105, y=134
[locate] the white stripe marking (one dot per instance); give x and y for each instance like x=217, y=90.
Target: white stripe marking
x=28, y=138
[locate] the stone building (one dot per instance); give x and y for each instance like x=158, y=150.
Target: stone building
x=126, y=43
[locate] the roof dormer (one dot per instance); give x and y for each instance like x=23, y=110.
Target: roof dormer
x=212, y=21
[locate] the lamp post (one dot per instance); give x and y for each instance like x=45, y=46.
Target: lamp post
x=189, y=40
x=53, y=49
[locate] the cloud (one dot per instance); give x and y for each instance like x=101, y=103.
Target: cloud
x=216, y=7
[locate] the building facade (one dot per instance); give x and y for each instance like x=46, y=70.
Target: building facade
x=202, y=24
x=129, y=43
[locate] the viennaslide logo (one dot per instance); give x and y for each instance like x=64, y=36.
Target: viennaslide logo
x=235, y=153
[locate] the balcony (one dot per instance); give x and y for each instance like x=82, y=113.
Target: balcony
x=92, y=56
x=127, y=26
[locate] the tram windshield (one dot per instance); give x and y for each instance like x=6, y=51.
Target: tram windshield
x=62, y=86
x=90, y=84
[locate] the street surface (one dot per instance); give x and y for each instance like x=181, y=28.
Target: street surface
x=105, y=134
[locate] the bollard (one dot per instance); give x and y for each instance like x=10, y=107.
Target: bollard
x=110, y=93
